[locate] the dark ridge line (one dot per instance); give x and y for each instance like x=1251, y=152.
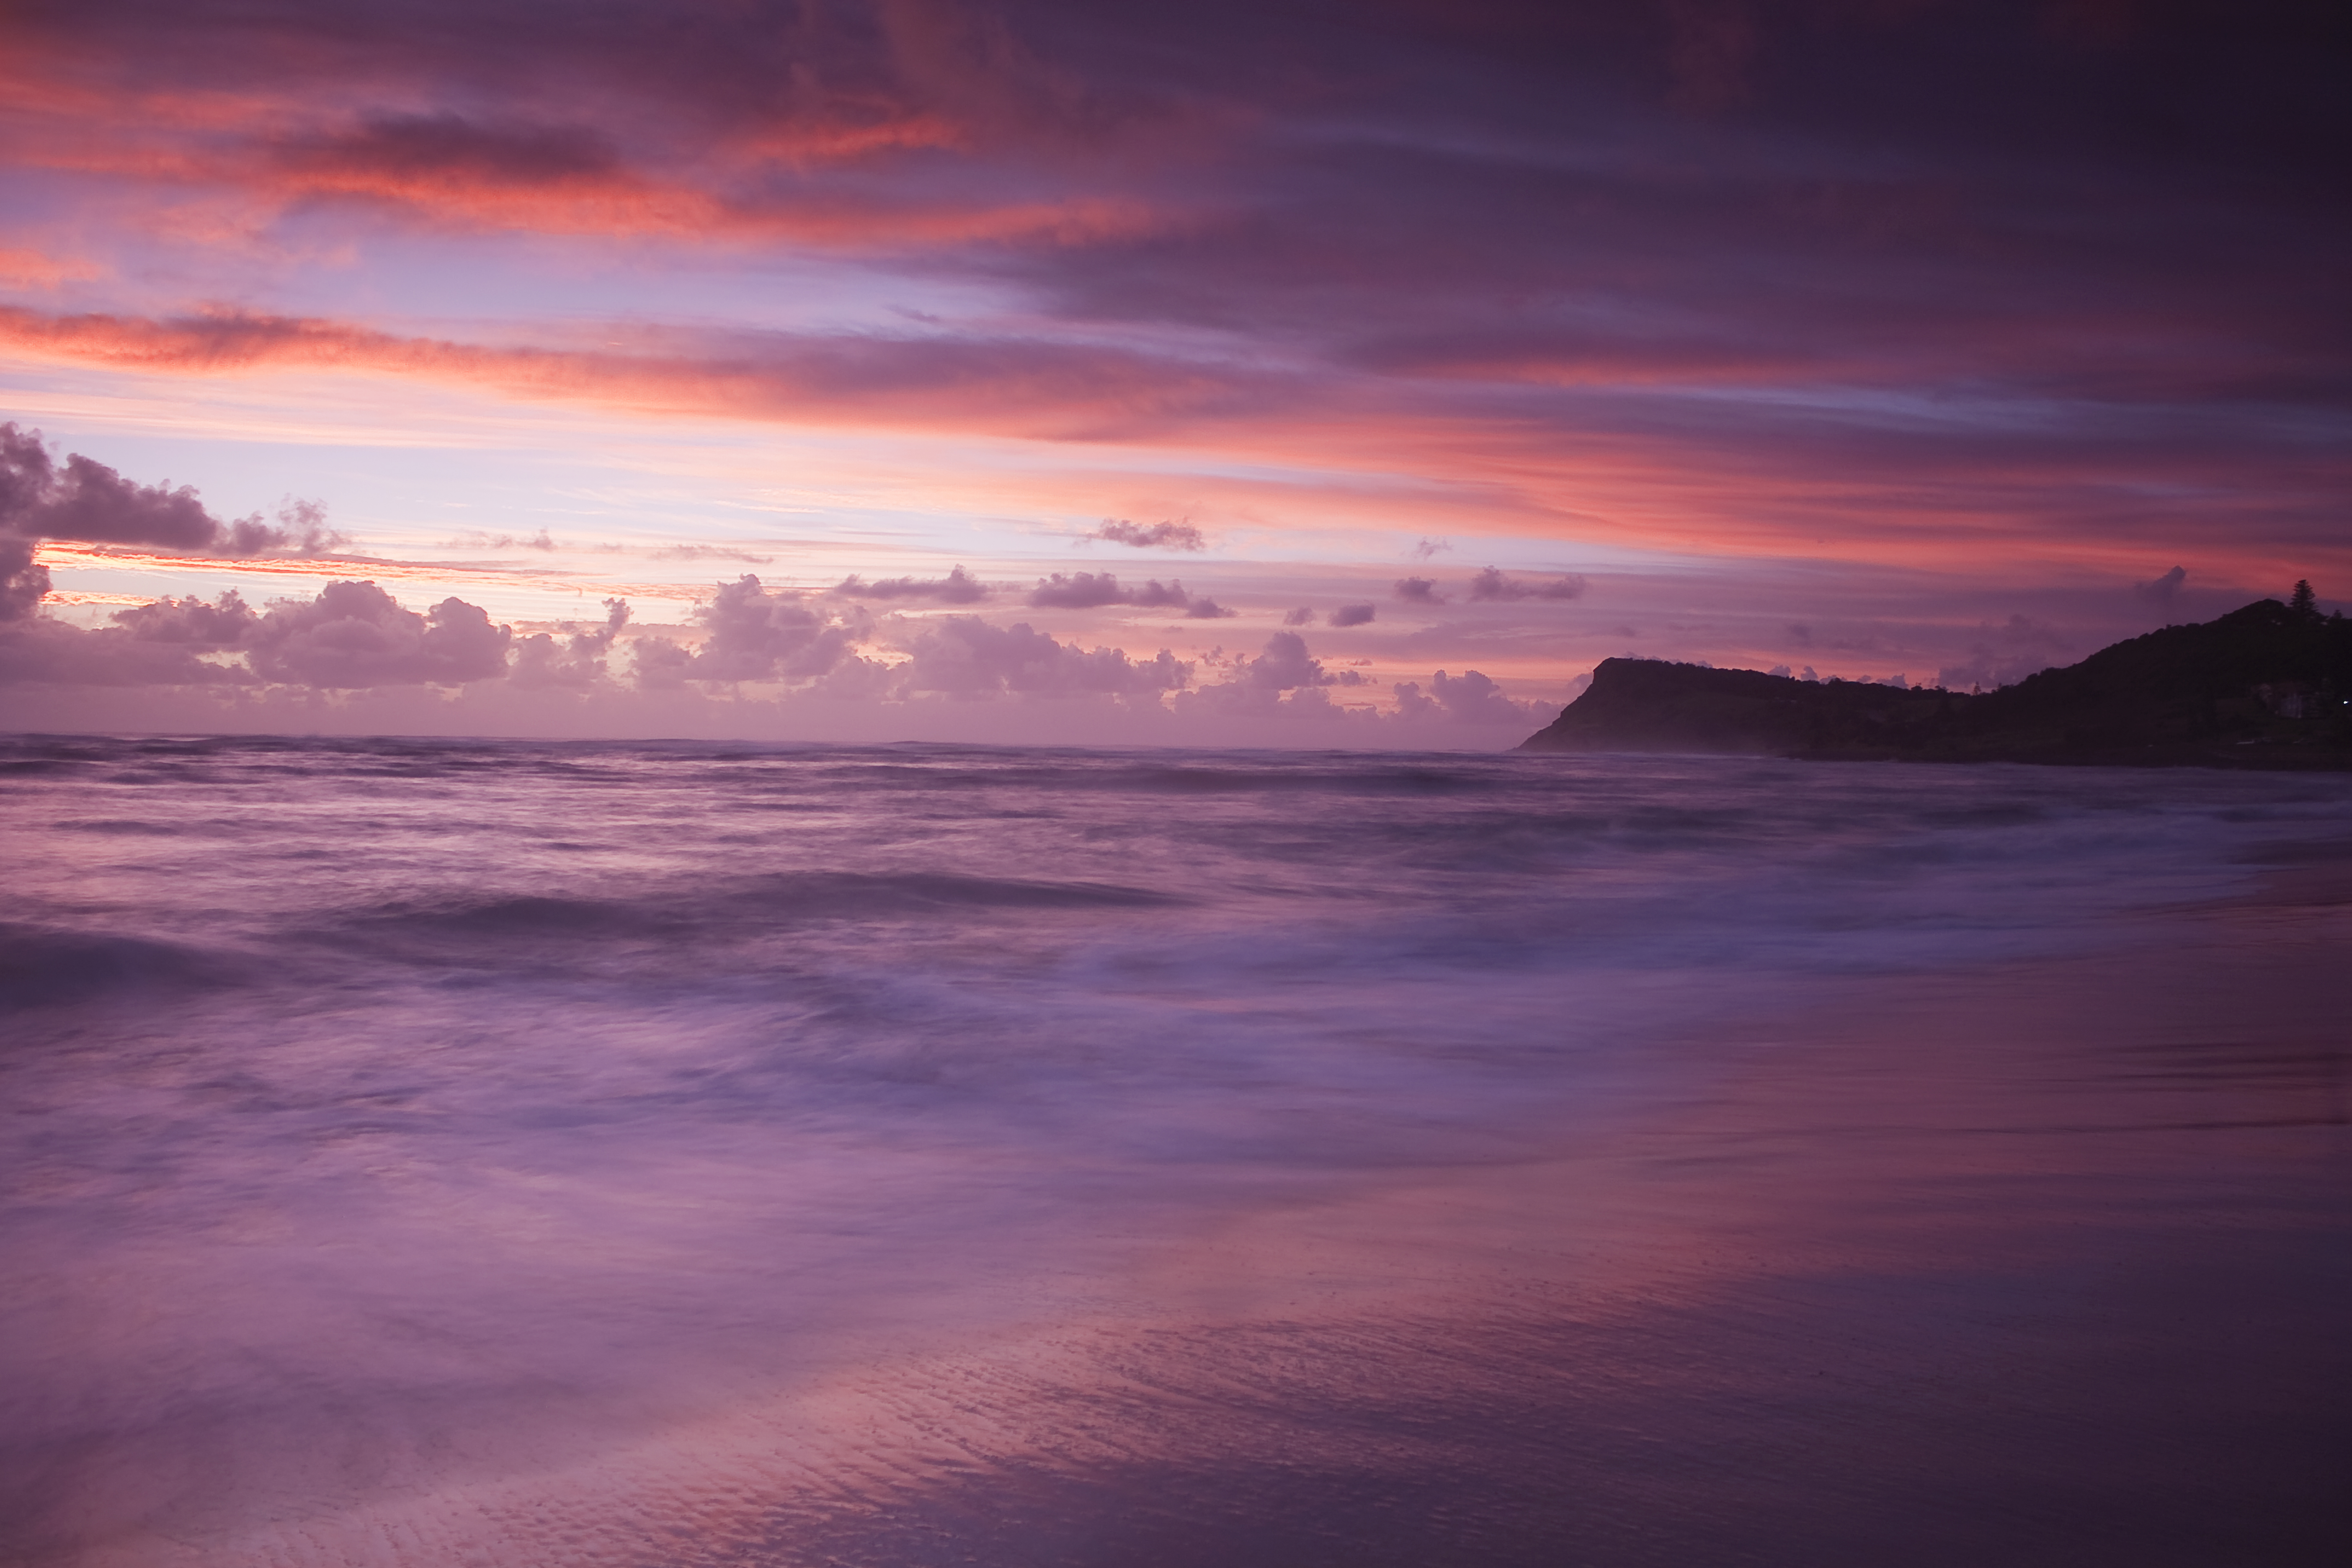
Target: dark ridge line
x=2263, y=687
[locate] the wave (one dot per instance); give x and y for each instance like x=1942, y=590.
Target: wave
x=498, y=929
x=46, y=966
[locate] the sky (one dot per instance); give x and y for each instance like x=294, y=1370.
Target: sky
x=1270, y=373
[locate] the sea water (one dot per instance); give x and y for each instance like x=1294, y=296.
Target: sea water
x=405, y=1137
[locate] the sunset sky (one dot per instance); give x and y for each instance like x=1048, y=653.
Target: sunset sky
x=1319, y=347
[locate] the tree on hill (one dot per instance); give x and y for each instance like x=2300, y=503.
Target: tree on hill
x=2305, y=603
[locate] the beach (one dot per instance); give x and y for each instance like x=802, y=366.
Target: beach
x=1482, y=1165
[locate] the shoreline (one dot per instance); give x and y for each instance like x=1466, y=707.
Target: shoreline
x=2035, y=1262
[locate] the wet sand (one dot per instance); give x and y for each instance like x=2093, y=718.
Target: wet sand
x=2049, y=1263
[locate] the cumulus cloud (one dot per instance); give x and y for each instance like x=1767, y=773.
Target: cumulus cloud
x=1353, y=615
x=1301, y=617
x=351, y=637
x=1285, y=664
x=89, y=501
x=1490, y=584
x=22, y=585
x=958, y=587
x=965, y=657
x=191, y=622
x=541, y=663
x=354, y=635
x=659, y=664
x=26, y=479
x=40, y=650
x=1092, y=589
x=1078, y=591
x=1470, y=698
x=221, y=663
x=26, y=475
x=1152, y=596
x=757, y=634
x=302, y=529
x=1418, y=591
x=83, y=500
x=1154, y=536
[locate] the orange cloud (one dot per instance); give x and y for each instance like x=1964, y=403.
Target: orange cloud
x=35, y=270
x=1010, y=387
x=1649, y=468
x=63, y=557
x=330, y=119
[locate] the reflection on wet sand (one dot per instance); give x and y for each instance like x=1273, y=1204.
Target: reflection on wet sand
x=2027, y=1263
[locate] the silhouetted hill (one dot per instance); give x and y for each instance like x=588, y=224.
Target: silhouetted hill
x=2262, y=686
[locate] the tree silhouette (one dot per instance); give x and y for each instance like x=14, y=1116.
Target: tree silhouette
x=2305, y=603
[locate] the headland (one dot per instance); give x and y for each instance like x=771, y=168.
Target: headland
x=2263, y=687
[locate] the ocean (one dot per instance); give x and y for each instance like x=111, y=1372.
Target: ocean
x=445, y=1152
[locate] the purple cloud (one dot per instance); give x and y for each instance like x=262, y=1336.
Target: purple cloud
x=22, y=585
x=86, y=502
x=577, y=663
x=191, y=622
x=1284, y=664
x=1093, y=590
x=757, y=634
x=964, y=656
x=1156, y=536
x=1078, y=591
x=1490, y=584
x=958, y=587
x=405, y=148
x=354, y=635
x=1469, y=699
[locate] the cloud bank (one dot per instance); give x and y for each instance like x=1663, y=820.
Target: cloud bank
x=766, y=656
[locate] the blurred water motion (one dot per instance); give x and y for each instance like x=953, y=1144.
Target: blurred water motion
x=428, y=1153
